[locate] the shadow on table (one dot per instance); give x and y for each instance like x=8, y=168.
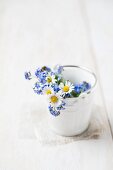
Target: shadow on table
x=34, y=125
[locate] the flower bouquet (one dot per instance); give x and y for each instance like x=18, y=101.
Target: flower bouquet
x=64, y=87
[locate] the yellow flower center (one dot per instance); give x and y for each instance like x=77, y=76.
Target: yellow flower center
x=49, y=79
x=66, y=88
x=48, y=92
x=54, y=99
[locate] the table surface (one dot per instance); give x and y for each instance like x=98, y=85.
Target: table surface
x=33, y=33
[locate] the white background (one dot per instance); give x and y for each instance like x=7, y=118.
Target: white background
x=49, y=32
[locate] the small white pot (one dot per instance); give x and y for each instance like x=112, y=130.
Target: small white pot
x=76, y=116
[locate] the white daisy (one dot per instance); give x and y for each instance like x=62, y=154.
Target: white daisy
x=50, y=79
x=66, y=88
x=55, y=99
x=48, y=90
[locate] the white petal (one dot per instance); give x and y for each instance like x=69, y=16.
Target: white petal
x=61, y=85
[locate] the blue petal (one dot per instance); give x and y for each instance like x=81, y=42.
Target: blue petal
x=27, y=75
x=58, y=69
x=53, y=111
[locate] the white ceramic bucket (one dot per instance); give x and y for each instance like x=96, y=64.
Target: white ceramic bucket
x=76, y=116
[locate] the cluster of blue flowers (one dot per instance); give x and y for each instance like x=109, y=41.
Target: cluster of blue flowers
x=28, y=75
x=51, y=83
x=82, y=87
x=38, y=88
x=56, y=111
x=53, y=111
x=41, y=74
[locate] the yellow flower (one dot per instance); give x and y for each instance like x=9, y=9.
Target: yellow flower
x=55, y=99
x=48, y=90
x=50, y=79
x=67, y=87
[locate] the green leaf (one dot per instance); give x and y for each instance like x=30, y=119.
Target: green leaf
x=74, y=94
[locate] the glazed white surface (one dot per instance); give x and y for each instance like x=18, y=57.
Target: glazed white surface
x=76, y=116
x=49, y=32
